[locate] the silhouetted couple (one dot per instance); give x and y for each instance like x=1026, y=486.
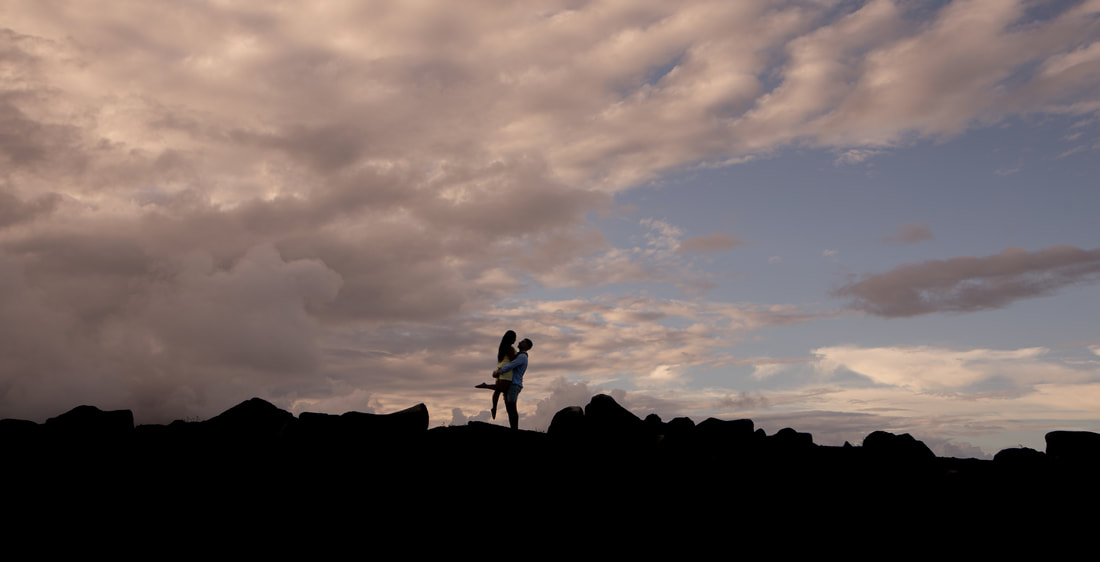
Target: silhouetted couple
x=511, y=365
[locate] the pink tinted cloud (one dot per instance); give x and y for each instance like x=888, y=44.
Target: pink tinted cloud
x=910, y=233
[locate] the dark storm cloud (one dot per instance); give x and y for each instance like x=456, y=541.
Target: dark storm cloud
x=14, y=210
x=968, y=284
x=29, y=143
x=98, y=320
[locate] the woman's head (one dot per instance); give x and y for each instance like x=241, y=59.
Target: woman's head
x=505, y=350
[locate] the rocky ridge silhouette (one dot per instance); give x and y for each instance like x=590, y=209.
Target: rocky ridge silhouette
x=592, y=464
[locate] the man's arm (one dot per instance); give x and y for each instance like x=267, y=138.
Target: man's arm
x=520, y=359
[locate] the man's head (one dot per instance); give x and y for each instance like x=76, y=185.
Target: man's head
x=525, y=345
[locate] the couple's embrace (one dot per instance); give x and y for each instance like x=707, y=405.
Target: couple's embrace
x=511, y=365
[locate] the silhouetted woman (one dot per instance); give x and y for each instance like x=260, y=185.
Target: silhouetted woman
x=505, y=353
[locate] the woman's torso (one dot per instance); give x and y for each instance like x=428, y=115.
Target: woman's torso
x=506, y=375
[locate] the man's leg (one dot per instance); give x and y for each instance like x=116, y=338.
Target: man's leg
x=510, y=400
x=513, y=414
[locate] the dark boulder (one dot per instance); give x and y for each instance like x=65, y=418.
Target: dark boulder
x=654, y=423
x=681, y=424
x=789, y=439
x=410, y=421
x=884, y=445
x=679, y=429
x=1020, y=460
x=1019, y=456
x=604, y=413
x=89, y=422
x=568, y=423
x=255, y=421
x=727, y=432
x=611, y=430
x=359, y=433
x=18, y=431
x=1074, y=447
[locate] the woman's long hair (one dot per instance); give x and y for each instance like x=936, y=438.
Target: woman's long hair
x=505, y=349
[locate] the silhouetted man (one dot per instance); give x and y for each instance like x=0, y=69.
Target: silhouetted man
x=518, y=366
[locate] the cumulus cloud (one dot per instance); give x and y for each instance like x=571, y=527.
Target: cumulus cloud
x=457, y=417
x=968, y=284
x=562, y=394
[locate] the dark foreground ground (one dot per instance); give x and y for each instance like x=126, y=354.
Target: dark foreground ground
x=257, y=475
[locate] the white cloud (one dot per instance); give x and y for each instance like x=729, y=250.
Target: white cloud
x=931, y=369
x=766, y=370
x=1072, y=401
x=855, y=156
x=561, y=394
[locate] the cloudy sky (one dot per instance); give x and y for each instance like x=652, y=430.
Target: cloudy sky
x=832, y=215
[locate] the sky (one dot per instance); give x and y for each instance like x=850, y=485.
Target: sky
x=837, y=216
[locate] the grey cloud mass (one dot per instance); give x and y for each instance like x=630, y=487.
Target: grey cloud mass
x=968, y=284
x=14, y=210
x=201, y=201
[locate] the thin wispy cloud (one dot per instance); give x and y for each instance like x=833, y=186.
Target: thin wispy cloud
x=717, y=242
x=855, y=156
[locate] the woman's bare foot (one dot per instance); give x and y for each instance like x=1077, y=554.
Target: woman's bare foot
x=484, y=385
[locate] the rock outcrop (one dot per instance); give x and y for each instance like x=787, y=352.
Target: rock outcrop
x=257, y=459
